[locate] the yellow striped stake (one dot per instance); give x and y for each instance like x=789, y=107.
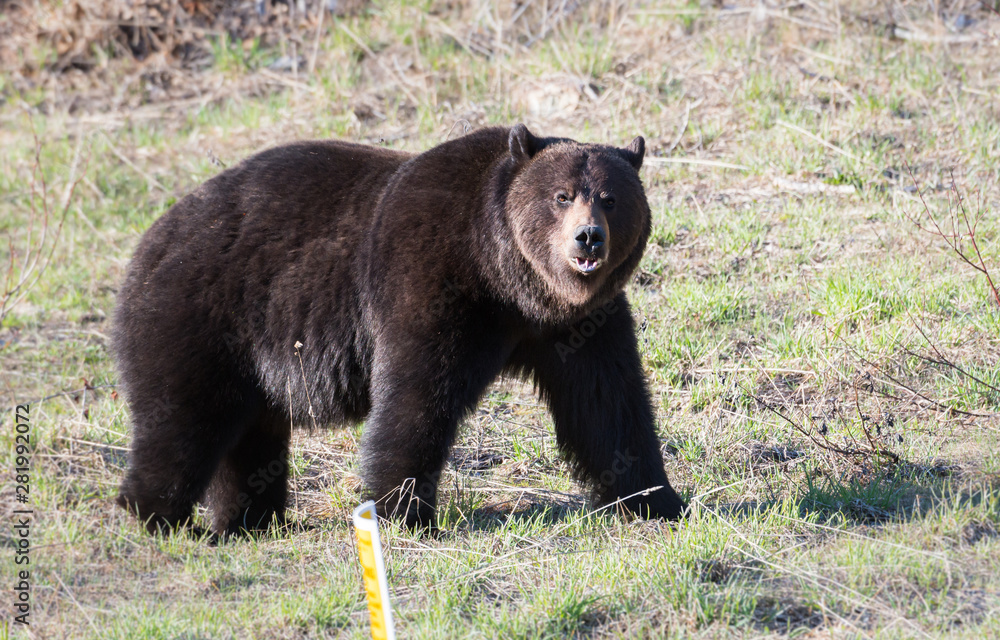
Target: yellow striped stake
x=370, y=552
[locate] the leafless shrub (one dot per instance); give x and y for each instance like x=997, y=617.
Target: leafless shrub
x=876, y=430
x=30, y=249
x=957, y=228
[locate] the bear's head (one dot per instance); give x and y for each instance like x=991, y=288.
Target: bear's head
x=578, y=214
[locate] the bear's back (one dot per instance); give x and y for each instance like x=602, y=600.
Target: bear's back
x=259, y=256
x=249, y=220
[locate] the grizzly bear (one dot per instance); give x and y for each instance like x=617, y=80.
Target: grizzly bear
x=326, y=282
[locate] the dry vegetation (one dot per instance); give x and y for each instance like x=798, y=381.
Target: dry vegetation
x=818, y=309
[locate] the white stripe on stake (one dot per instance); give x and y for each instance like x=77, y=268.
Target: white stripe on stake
x=370, y=553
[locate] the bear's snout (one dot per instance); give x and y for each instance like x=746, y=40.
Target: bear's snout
x=587, y=251
x=586, y=238
x=589, y=238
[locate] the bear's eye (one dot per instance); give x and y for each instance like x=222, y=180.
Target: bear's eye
x=609, y=202
x=562, y=198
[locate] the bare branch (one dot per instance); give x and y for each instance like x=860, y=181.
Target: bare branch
x=38, y=247
x=957, y=213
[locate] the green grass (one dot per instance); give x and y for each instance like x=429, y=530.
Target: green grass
x=764, y=293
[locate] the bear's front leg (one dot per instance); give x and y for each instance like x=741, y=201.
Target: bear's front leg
x=404, y=449
x=423, y=384
x=591, y=376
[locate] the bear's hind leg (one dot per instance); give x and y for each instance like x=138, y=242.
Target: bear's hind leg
x=250, y=487
x=170, y=465
x=178, y=439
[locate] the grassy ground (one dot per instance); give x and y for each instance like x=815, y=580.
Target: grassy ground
x=825, y=371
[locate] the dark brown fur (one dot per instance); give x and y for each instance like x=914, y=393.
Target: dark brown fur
x=411, y=282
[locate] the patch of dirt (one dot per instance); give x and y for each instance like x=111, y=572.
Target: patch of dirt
x=786, y=616
x=972, y=607
x=720, y=570
x=977, y=531
x=475, y=460
x=783, y=390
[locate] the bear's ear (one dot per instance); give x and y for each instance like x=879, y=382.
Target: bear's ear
x=522, y=144
x=634, y=152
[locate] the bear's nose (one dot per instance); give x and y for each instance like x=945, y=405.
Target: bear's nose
x=588, y=237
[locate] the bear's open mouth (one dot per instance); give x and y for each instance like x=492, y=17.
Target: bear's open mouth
x=586, y=265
